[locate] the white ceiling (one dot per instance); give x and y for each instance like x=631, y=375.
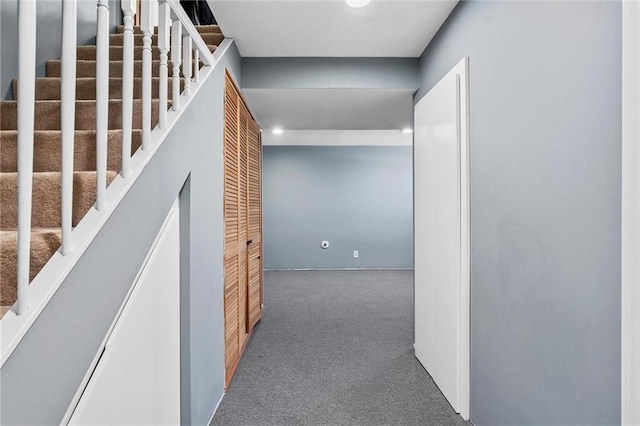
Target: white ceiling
x=330, y=28
x=337, y=109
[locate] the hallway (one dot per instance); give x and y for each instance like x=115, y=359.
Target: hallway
x=334, y=347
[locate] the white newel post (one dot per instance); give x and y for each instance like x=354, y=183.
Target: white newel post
x=26, y=115
x=68, y=117
x=102, y=102
x=176, y=38
x=186, y=62
x=164, y=25
x=129, y=10
x=147, y=27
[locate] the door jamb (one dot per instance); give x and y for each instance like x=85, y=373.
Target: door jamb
x=630, y=362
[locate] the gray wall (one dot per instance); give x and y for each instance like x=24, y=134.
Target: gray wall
x=49, y=34
x=331, y=73
x=545, y=89
x=357, y=198
x=48, y=365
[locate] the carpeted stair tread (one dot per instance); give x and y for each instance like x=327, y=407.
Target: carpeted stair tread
x=88, y=53
x=88, y=68
x=44, y=243
x=202, y=29
x=48, y=113
x=209, y=39
x=46, y=198
x=4, y=310
x=48, y=88
x=47, y=152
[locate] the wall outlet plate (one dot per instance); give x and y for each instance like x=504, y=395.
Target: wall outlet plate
x=355, y=254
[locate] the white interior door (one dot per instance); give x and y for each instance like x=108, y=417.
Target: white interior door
x=441, y=236
x=137, y=380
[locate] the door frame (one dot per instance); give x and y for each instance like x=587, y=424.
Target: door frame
x=630, y=371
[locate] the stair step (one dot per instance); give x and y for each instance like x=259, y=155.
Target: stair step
x=46, y=198
x=48, y=88
x=44, y=243
x=47, y=154
x=209, y=39
x=48, y=113
x=88, y=53
x=202, y=29
x=88, y=68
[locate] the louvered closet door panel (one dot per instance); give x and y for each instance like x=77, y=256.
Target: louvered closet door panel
x=255, y=224
x=243, y=224
x=232, y=344
x=231, y=314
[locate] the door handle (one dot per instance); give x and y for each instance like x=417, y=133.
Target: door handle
x=249, y=242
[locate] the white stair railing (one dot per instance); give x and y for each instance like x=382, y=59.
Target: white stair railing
x=129, y=11
x=177, y=39
x=26, y=117
x=175, y=31
x=102, y=103
x=147, y=27
x=68, y=117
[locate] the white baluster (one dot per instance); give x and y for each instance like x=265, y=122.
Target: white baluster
x=129, y=11
x=26, y=115
x=102, y=102
x=68, y=117
x=176, y=38
x=147, y=26
x=186, y=62
x=196, y=65
x=164, y=24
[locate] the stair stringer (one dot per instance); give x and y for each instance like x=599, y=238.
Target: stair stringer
x=47, y=352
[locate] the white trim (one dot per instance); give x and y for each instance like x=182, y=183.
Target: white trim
x=393, y=137
x=14, y=327
x=630, y=378
x=465, y=241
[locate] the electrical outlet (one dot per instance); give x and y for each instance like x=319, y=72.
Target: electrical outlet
x=355, y=254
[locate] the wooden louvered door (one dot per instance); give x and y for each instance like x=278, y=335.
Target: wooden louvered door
x=243, y=226
x=244, y=231
x=231, y=231
x=254, y=207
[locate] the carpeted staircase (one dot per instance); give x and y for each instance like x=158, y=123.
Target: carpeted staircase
x=46, y=233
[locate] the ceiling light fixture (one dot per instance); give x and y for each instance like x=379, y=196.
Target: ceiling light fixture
x=277, y=131
x=407, y=131
x=357, y=3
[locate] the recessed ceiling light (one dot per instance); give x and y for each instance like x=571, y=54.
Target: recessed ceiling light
x=277, y=131
x=357, y=3
x=407, y=131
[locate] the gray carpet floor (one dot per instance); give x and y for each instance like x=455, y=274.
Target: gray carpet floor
x=334, y=348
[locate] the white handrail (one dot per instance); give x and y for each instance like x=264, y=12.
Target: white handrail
x=102, y=102
x=176, y=39
x=147, y=27
x=129, y=11
x=68, y=118
x=26, y=116
x=164, y=25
